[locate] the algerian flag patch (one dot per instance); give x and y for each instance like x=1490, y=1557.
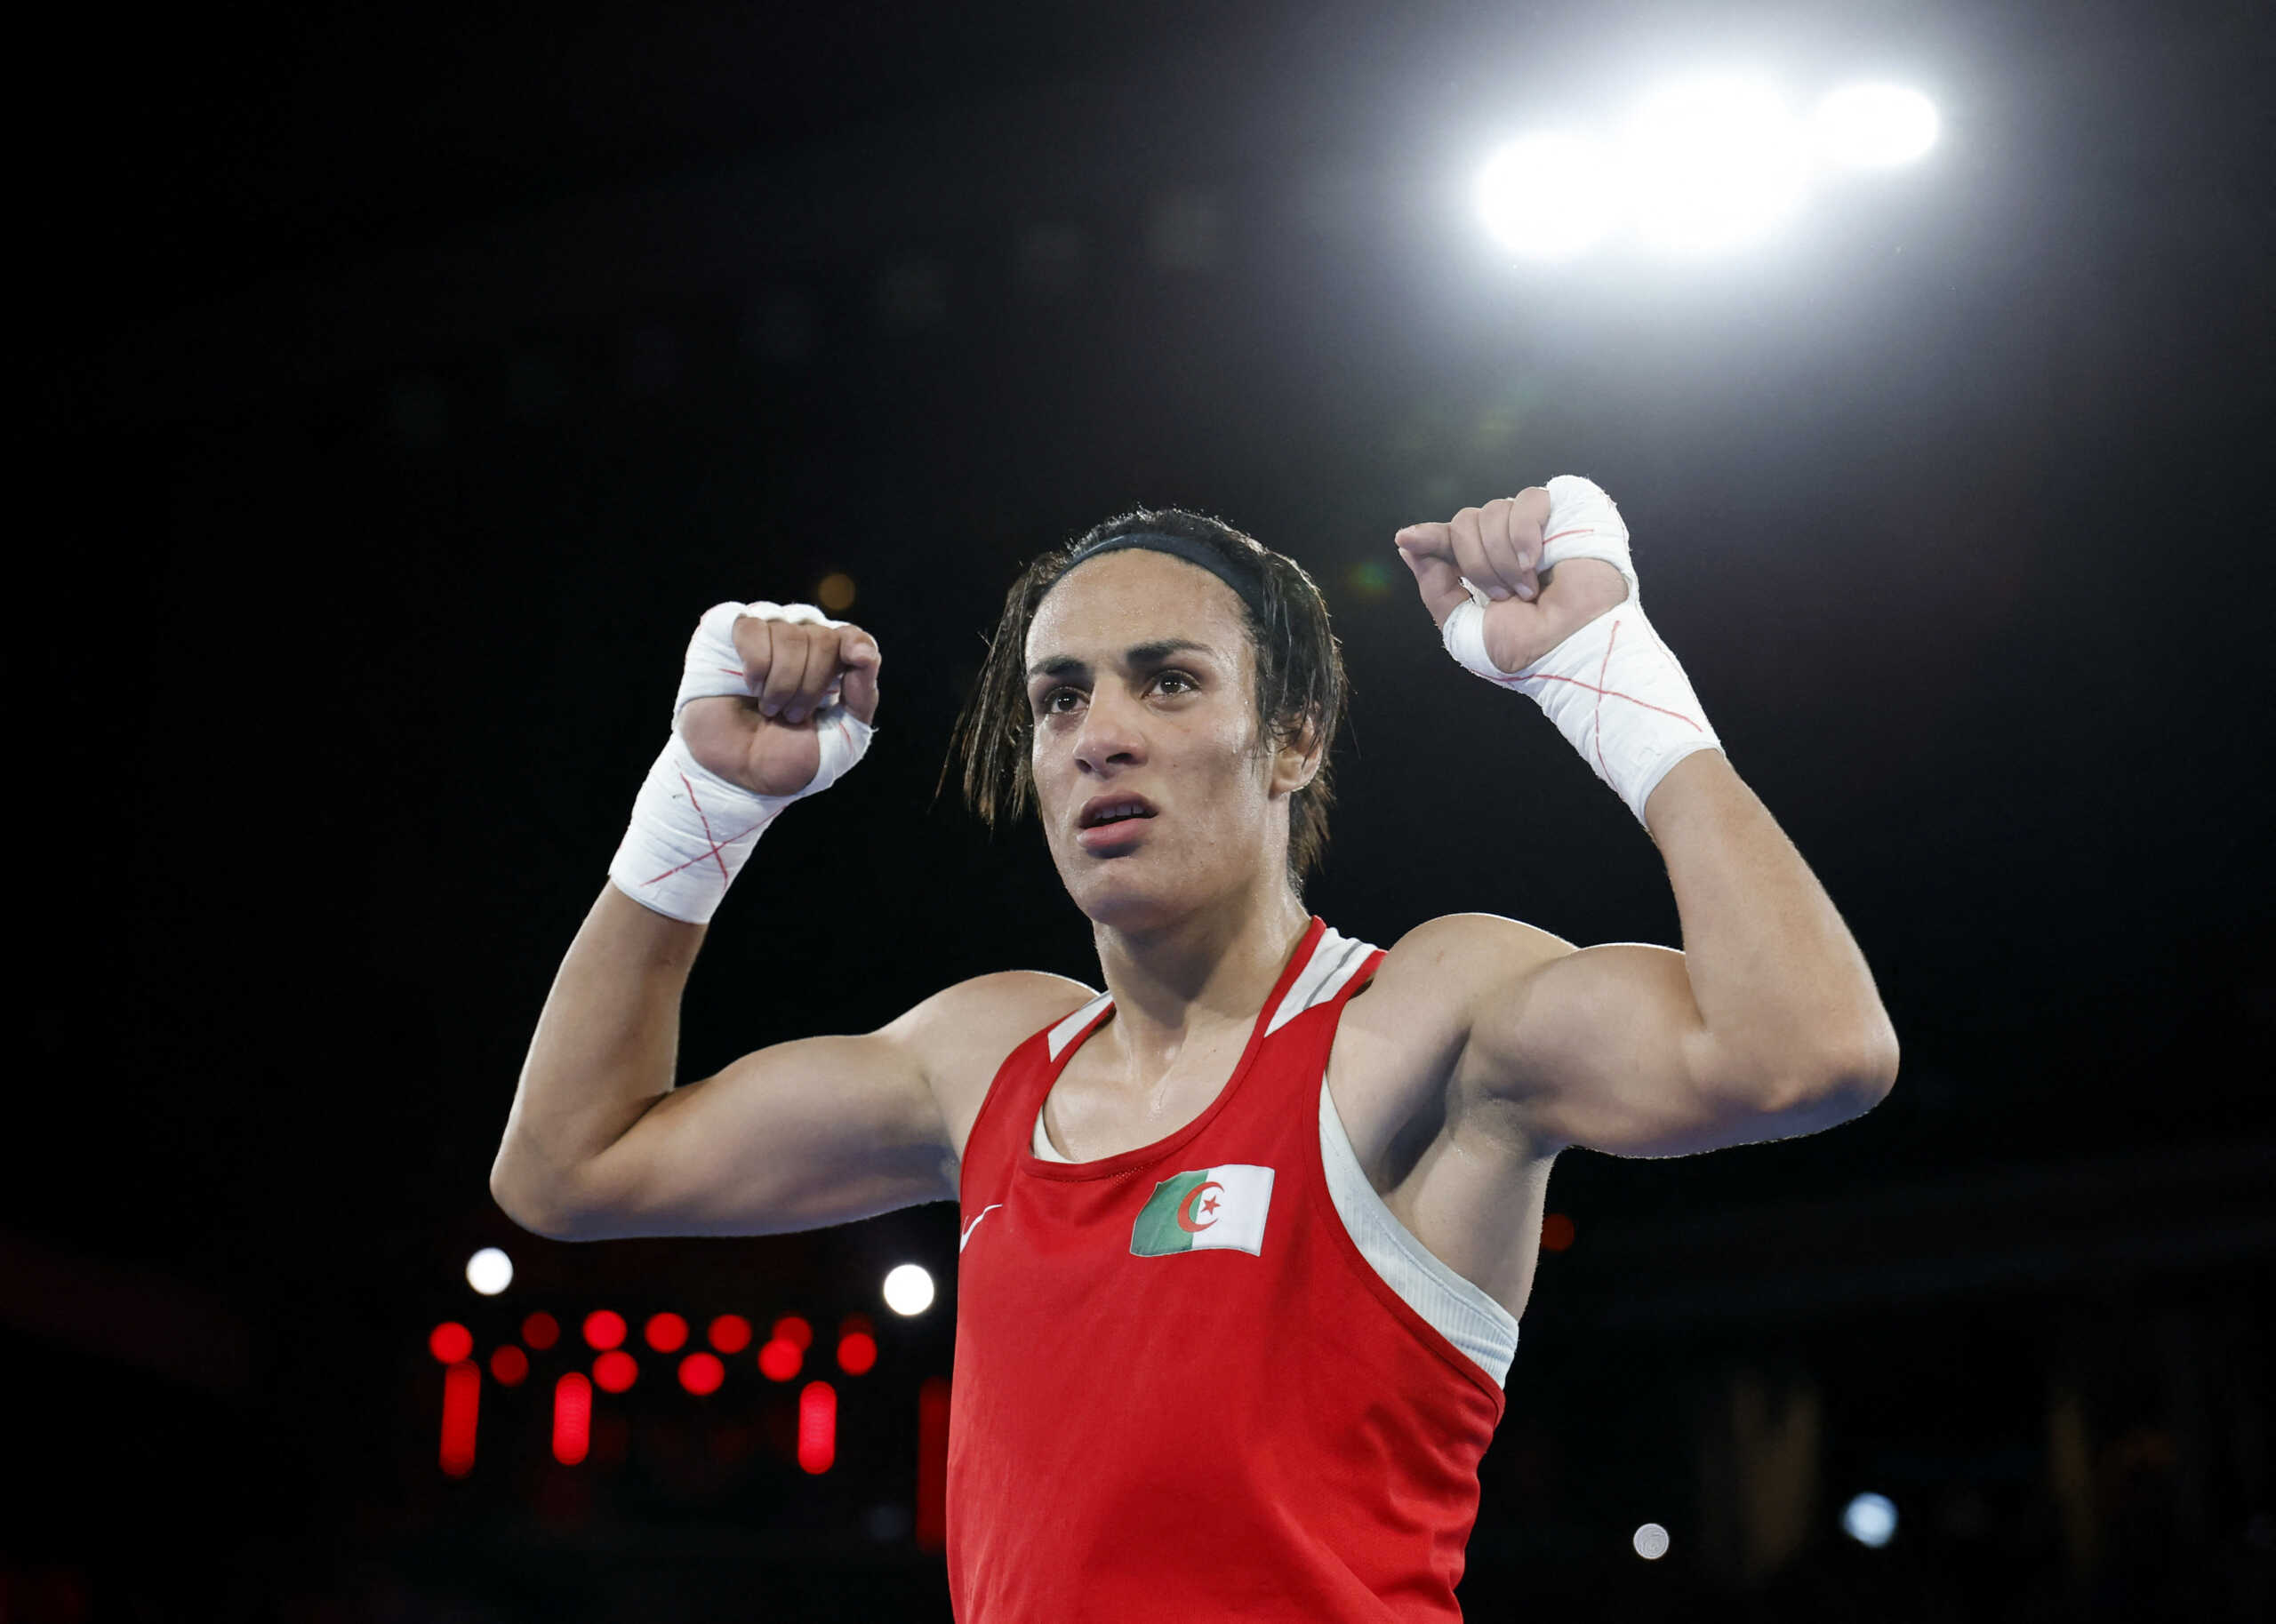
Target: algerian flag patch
x=1215, y=1207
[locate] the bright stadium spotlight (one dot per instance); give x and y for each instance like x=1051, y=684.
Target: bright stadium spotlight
x=1870, y=1520
x=490, y=1271
x=1651, y=1541
x=909, y=1290
x=1549, y=197
x=1712, y=162
x=1875, y=126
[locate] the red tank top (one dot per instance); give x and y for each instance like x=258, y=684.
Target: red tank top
x=1180, y=1392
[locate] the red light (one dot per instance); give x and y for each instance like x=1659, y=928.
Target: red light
x=857, y=1353
x=779, y=1360
x=614, y=1371
x=731, y=1334
x=817, y=1427
x=572, y=1418
x=932, y=1464
x=541, y=1331
x=604, y=1328
x=509, y=1364
x=794, y=1331
x=666, y=1332
x=701, y=1373
x=462, y=1399
x=450, y=1341
x=1556, y=1232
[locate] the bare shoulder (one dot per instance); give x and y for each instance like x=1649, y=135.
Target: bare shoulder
x=961, y=1037
x=1404, y=1035
x=1445, y=961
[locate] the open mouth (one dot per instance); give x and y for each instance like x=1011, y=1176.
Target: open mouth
x=1110, y=819
x=1098, y=813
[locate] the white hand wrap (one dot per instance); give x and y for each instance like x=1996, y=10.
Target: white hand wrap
x=690, y=829
x=1613, y=688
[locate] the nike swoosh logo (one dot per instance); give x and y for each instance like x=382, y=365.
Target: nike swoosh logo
x=974, y=1224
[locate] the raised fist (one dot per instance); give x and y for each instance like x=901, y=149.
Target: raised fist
x=1498, y=548
x=801, y=677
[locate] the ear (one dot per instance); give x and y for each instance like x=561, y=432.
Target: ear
x=1296, y=761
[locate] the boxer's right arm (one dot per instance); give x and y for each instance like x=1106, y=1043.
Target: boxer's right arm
x=795, y=1136
x=774, y=705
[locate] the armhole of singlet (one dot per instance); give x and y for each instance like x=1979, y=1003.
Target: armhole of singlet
x=1454, y=1308
x=1040, y=1141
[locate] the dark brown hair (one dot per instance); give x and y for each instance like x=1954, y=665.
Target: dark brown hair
x=1301, y=685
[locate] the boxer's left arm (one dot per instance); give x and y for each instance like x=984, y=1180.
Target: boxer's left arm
x=1766, y=1025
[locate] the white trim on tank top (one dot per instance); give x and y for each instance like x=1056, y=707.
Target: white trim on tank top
x=1457, y=1309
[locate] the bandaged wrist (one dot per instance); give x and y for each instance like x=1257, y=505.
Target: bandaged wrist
x=1614, y=690
x=690, y=829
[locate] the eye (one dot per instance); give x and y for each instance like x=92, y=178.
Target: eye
x=1184, y=683
x=1049, y=705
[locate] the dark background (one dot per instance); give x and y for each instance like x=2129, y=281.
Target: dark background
x=403, y=386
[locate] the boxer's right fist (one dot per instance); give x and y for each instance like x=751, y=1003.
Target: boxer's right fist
x=798, y=677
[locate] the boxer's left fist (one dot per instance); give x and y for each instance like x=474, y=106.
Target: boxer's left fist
x=1497, y=550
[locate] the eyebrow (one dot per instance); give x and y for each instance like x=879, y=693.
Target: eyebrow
x=1137, y=654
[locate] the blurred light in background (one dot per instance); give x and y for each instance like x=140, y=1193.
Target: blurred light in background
x=817, y=1425
x=541, y=1331
x=604, y=1328
x=1712, y=164
x=1699, y=166
x=666, y=1332
x=490, y=1271
x=462, y=1399
x=1651, y=1541
x=780, y=1359
x=1875, y=126
x=730, y=1334
x=509, y=1366
x=701, y=1373
x=1550, y=196
x=932, y=1464
x=835, y=592
x=1370, y=578
x=615, y=1371
x=857, y=1348
x=572, y=1418
x=450, y=1341
x=1869, y=1519
x=909, y=1290
x=794, y=1331
x=1557, y=1232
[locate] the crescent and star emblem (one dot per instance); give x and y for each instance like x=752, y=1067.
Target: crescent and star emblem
x=1185, y=1208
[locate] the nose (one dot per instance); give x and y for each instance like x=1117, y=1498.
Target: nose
x=1110, y=737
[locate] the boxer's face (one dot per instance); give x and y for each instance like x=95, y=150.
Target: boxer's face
x=1142, y=686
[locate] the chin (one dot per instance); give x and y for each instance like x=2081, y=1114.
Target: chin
x=1138, y=898
x=1126, y=893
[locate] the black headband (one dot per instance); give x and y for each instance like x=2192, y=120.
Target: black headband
x=1245, y=579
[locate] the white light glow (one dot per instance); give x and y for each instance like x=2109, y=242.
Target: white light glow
x=1651, y=1541
x=1550, y=196
x=1869, y=1519
x=1712, y=164
x=909, y=1290
x=490, y=1271
x=1875, y=126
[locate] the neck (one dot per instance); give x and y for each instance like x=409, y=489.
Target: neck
x=1198, y=975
